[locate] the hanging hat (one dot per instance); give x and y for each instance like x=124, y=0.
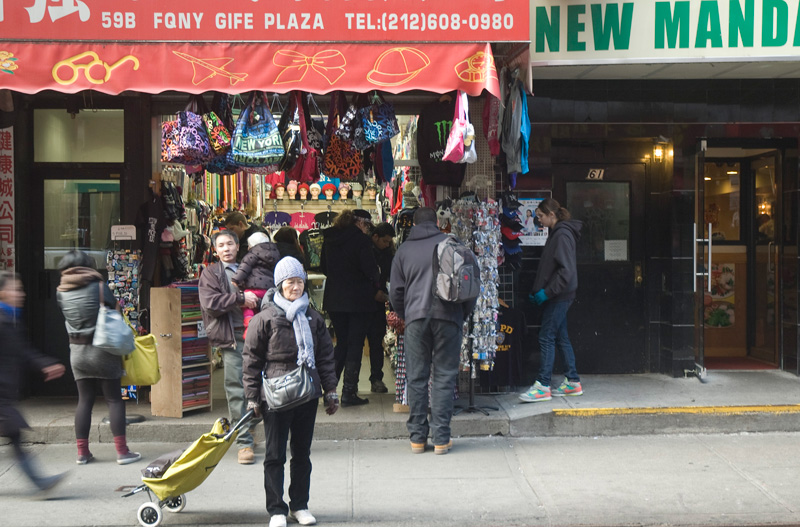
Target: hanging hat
x=510, y=200
x=288, y=267
x=511, y=223
x=329, y=186
x=509, y=233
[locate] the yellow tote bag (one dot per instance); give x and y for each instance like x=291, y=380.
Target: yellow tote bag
x=141, y=366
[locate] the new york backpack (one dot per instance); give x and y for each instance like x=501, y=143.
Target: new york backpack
x=456, y=275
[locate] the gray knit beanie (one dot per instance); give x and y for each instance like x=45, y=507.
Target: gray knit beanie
x=288, y=267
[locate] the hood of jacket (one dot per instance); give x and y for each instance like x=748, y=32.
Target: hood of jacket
x=77, y=277
x=340, y=236
x=573, y=226
x=423, y=231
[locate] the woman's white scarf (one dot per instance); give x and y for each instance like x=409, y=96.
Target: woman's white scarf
x=296, y=314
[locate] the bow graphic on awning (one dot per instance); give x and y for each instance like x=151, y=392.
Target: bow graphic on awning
x=329, y=63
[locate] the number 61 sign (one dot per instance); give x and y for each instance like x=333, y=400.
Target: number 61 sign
x=595, y=174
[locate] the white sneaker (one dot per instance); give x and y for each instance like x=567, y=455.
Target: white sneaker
x=303, y=517
x=277, y=520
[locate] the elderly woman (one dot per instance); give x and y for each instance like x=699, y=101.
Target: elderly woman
x=287, y=332
x=78, y=296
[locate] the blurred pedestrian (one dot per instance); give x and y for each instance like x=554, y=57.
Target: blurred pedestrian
x=433, y=330
x=554, y=287
x=221, y=303
x=78, y=296
x=351, y=289
x=382, y=236
x=18, y=356
x=288, y=332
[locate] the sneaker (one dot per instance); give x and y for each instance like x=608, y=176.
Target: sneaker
x=537, y=392
x=277, y=520
x=48, y=482
x=127, y=459
x=246, y=456
x=379, y=387
x=417, y=448
x=82, y=460
x=303, y=517
x=443, y=449
x=568, y=388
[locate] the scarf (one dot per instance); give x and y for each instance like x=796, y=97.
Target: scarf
x=14, y=313
x=296, y=314
x=78, y=277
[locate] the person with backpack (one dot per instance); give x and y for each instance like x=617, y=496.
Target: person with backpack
x=554, y=287
x=433, y=331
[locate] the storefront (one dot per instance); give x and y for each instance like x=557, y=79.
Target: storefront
x=82, y=109
x=671, y=128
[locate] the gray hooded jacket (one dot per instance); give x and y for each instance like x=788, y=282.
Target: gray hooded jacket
x=557, y=273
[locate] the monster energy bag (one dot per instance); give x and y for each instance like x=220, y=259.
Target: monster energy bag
x=256, y=141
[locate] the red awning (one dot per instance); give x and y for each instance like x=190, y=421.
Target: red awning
x=30, y=67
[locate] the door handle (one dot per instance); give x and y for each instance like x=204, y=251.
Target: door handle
x=637, y=274
x=710, y=245
x=769, y=256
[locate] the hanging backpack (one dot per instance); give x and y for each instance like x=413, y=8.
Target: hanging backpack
x=456, y=275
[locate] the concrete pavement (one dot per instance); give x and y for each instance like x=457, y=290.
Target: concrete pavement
x=682, y=480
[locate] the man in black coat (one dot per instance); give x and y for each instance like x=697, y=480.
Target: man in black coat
x=383, y=247
x=351, y=289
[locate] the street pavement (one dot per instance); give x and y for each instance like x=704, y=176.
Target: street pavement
x=742, y=479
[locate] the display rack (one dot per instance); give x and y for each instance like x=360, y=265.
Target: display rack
x=184, y=353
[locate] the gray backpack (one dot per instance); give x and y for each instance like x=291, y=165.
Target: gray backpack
x=456, y=275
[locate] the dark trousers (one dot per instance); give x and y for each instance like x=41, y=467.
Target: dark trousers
x=437, y=342
x=351, y=331
x=277, y=427
x=86, y=397
x=377, y=330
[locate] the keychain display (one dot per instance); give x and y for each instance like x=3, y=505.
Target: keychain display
x=123, y=280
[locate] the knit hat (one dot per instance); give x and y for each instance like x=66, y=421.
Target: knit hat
x=288, y=267
x=292, y=185
x=329, y=186
x=256, y=238
x=362, y=214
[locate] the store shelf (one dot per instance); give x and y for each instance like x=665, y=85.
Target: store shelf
x=184, y=353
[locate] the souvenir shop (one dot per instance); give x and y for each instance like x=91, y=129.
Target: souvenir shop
x=287, y=133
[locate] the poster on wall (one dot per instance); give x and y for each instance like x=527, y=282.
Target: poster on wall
x=533, y=232
x=719, y=303
x=7, y=253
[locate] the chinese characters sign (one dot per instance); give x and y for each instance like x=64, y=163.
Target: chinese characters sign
x=266, y=21
x=7, y=254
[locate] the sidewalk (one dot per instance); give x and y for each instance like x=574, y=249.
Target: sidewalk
x=676, y=480
x=612, y=405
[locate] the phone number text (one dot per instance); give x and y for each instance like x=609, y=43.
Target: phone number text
x=428, y=22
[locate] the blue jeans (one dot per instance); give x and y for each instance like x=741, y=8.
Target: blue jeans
x=552, y=335
x=234, y=390
x=427, y=342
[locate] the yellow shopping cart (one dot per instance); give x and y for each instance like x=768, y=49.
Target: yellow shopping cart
x=181, y=472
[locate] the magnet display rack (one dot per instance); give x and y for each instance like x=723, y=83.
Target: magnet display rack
x=184, y=353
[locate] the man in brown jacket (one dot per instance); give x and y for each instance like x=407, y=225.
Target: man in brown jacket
x=222, y=303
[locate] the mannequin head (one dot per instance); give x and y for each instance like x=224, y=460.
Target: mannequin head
x=329, y=189
x=357, y=189
x=280, y=191
x=314, y=190
x=344, y=191
x=372, y=191
x=302, y=189
x=291, y=189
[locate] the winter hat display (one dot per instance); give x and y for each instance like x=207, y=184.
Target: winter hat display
x=511, y=230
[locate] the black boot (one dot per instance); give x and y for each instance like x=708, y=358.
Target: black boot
x=350, y=386
x=42, y=482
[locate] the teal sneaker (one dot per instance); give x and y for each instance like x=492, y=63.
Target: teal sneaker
x=537, y=392
x=568, y=388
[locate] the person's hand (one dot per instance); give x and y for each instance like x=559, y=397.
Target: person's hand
x=250, y=300
x=255, y=407
x=54, y=371
x=331, y=403
x=381, y=296
x=540, y=297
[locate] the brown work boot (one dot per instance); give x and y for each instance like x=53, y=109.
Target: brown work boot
x=443, y=449
x=246, y=456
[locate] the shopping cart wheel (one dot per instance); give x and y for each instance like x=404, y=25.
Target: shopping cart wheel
x=175, y=504
x=149, y=514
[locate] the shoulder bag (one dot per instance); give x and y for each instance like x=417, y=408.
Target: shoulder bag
x=141, y=366
x=111, y=333
x=288, y=391
x=256, y=141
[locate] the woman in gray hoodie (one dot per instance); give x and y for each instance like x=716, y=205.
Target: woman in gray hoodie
x=554, y=288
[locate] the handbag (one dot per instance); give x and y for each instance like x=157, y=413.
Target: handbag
x=256, y=141
x=289, y=127
x=377, y=123
x=305, y=169
x=288, y=391
x=111, y=333
x=217, y=127
x=454, y=151
x=141, y=366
